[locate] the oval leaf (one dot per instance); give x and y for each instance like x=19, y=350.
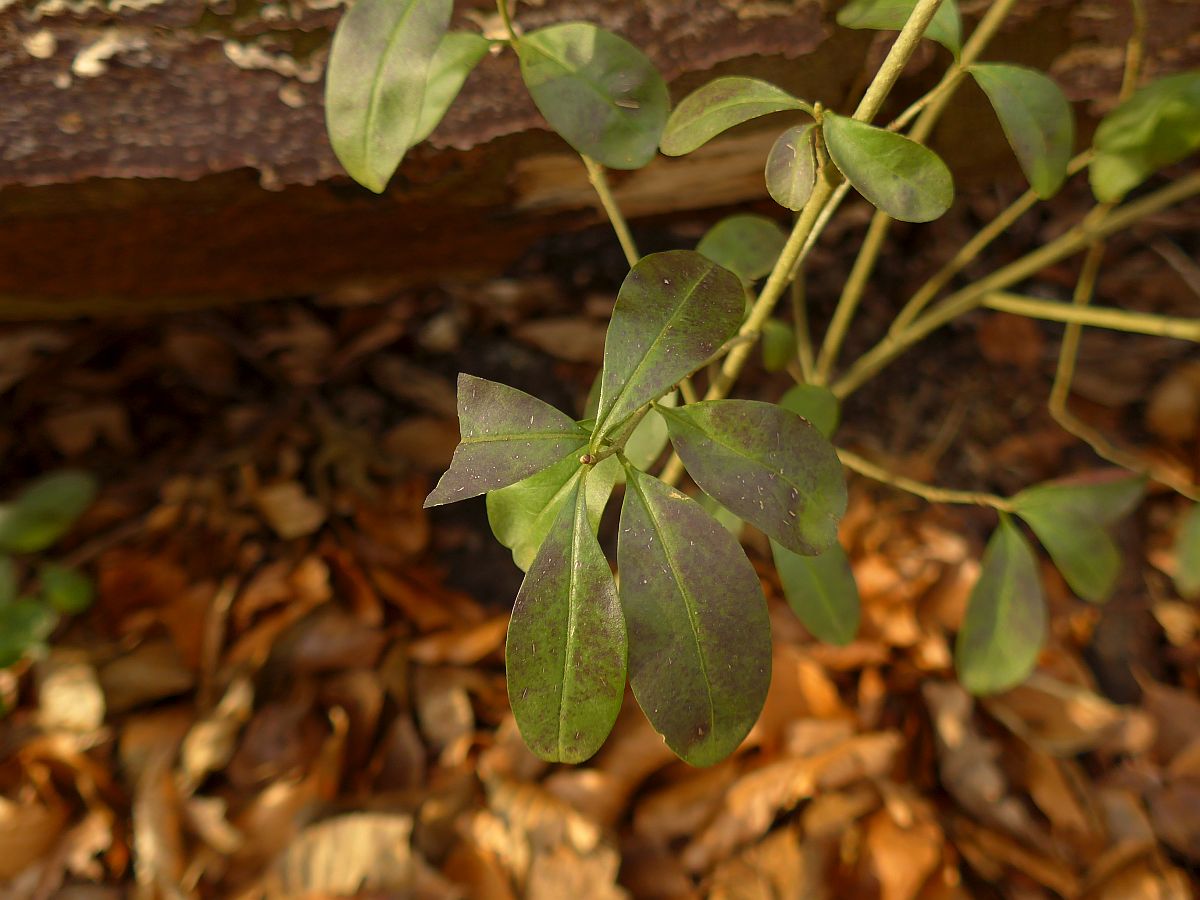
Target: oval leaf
x=673, y=312
x=506, y=436
x=24, y=624
x=821, y=592
x=65, y=589
x=815, y=403
x=1005, y=624
x=765, y=464
x=457, y=54
x=746, y=245
x=718, y=106
x=1069, y=519
x=699, y=636
x=522, y=514
x=791, y=170
x=907, y=181
x=45, y=511
x=890, y=15
x=597, y=90
x=375, y=84
x=778, y=345
x=1036, y=119
x=1187, y=555
x=566, y=648
x=1157, y=126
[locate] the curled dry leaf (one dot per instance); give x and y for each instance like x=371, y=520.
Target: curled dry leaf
x=902, y=858
x=781, y=865
x=27, y=830
x=289, y=510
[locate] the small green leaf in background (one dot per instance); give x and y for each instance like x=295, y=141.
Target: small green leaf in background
x=566, y=649
x=24, y=624
x=791, y=170
x=1005, y=624
x=746, y=245
x=732, y=523
x=821, y=592
x=507, y=435
x=1157, y=126
x=718, y=106
x=1070, y=518
x=598, y=91
x=907, y=181
x=815, y=403
x=673, y=312
x=45, y=511
x=1187, y=554
x=699, y=635
x=1036, y=119
x=778, y=345
x=890, y=15
x=8, y=580
x=66, y=590
x=766, y=465
x=375, y=83
x=457, y=54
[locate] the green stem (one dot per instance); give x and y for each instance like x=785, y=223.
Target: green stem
x=930, y=492
x=804, y=348
x=1112, y=319
x=600, y=182
x=506, y=18
x=971, y=296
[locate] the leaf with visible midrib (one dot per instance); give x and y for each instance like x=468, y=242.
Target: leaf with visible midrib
x=767, y=465
x=673, y=312
x=1036, y=119
x=566, y=648
x=890, y=15
x=375, y=83
x=821, y=592
x=457, y=54
x=699, y=636
x=906, y=180
x=506, y=436
x=791, y=170
x=718, y=106
x=1069, y=519
x=597, y=90
x=1005, y=624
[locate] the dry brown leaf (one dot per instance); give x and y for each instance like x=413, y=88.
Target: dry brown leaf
x=830, y=814
x=427, y=442
x=1013, y=340
x=158, y=854
x=28, y=830
x=1062, y=792
x=571, y=338
x=1145, y=879
x=1175, y=812
x=778, y=866
x=980, y=843
x=477, y=872
x=151, y=672
x=902, y=858
x=289, y=510
x=74, y=432
x=1176, y=712
x=558, y=873
x=1060, y=718
x=650, y=872
x=204, y=358
x=69, y=692
x=752, y=803
x=461, y=646
x=211, y=741
x=684, y=806
x=208, y=819
x=1173, y=410
x=444, y=711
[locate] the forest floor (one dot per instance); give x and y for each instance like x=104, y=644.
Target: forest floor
x=291, y=683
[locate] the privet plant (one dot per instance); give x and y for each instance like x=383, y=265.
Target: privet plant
x=687, y=624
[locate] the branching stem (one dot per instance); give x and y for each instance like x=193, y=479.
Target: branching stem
x=930, y=492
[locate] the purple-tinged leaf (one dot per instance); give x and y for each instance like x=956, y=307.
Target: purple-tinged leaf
x=767, y=465
x=791, y=169
x=821, y=592
x=673, y=312
x=1070, y=517
x=506, y=436
x=566, y=649
x=1005, y=625
x=719, y=106
x=699, y=636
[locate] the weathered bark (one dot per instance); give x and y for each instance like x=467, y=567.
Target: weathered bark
x=173, y=151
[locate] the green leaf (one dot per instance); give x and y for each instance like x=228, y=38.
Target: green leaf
x=821, y=592
x=890, y=15
x=597, y=90
x=732, y=523
x=1187, y=555
x=376, y=81
x=907, y=181
x=566, y=649
x=1005, y=624
x=521, y=514
x=1157, y=126
x=507, y=435
x=791, y=170
x=1036, y=119
x=673, y=312
x=45, y=511
x=457, y=54
x=778, y=345
x=66, y=590
x=746, y=245
x=699, y=636
x=1069, y=519
x=718, y=106
x=23, y=626
x=765, y=464
x=815, y=403
x=8, y=580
